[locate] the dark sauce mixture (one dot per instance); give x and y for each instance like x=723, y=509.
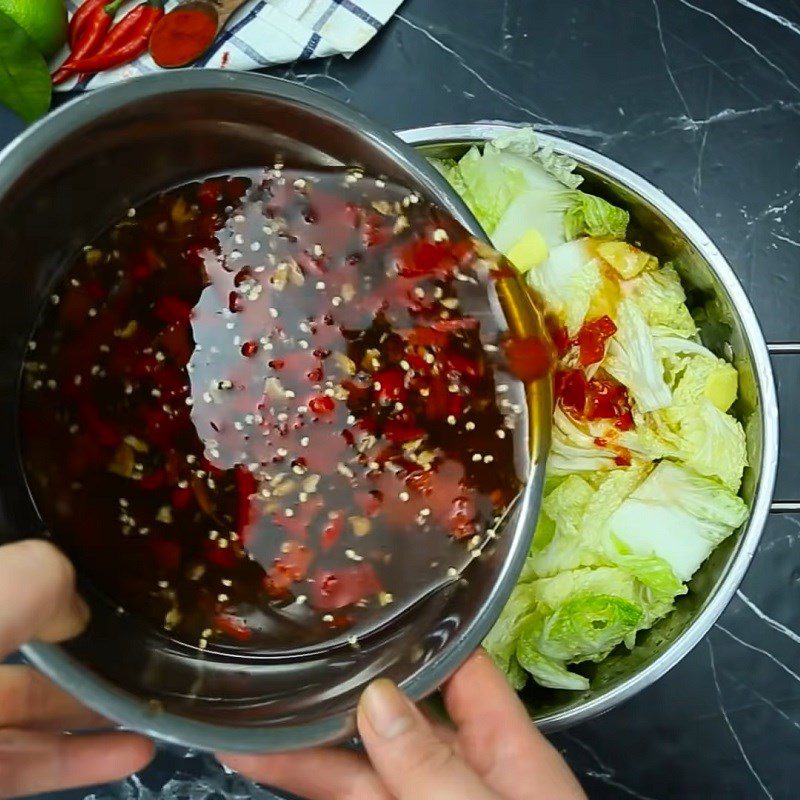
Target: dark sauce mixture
x=262, y=409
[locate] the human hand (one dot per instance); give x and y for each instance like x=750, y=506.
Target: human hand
x=494, y=753
x=38, y=601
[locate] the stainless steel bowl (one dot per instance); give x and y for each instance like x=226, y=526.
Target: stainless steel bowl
x=61, y=183
x=673, y=235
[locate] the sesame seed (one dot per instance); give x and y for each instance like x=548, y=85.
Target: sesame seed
x=452, y=572
x=222, y=597
x=320, y=285
x=288, y=512
x=451, y=420
x=404, y=496
x=477, y=457
x=353, y=556
x=440, y=235
x=470, y=426
x=336, y=301
x=327, y=617
x=300, y=599
x=500, y=433
x=343, y=469
x=488, y=459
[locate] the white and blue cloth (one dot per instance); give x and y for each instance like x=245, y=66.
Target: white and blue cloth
x=267, y=32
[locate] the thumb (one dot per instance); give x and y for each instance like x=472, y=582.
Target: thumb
x=37, y=596
x=410, y=758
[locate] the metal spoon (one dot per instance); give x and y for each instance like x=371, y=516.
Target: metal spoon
x=219, y=10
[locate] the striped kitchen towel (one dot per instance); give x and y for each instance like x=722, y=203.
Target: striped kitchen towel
x=267, y=32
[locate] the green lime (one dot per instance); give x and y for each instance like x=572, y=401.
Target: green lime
x=45, y=21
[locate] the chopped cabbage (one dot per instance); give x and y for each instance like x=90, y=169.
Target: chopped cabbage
x=632, y=504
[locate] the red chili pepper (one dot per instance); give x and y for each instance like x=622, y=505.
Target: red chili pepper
x=127, y=40
x=79, y=19
x=90, y=38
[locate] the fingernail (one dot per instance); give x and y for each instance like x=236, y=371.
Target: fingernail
x=387, y=709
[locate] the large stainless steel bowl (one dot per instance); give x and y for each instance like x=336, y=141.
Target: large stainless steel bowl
x=672, y=235
x=61, y=183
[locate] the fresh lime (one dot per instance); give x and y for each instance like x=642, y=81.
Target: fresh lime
x=45, y=21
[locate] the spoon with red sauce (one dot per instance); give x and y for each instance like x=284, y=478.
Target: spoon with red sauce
x=188, y=31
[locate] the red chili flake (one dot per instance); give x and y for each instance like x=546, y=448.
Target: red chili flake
x=427, y=258
x=461, y=365
x=400, y=432
x=388, y=386
x=623, y=460
x=438, y=399
x=249, y=349
x=315, y=375
x=425, y=337
x=172, y=309
x=605, y=399
x=209, y=194
x=322, y=405
x=276, y=363
x=291, y=567
x=181, y=497
x=600, y=441
x=332, y=530
x=234, y=302
x=174, y=340
x=232, y=627
x=369, y=502
x=599, y=398
x=332, y=590
x=222, y=557
x=528, y=358
x=454, y=325
x=461, y=519
x=592, y=339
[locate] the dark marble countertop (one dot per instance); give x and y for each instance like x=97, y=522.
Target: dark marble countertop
x=702, y=97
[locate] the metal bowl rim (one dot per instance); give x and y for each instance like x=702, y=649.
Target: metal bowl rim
x=54, y=661
x=737, y=566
